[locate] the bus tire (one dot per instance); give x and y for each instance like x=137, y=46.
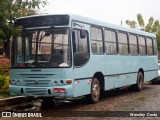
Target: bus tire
x=140, y=80
x=95, y=91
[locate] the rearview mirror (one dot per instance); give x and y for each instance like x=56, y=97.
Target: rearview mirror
x=82, y=33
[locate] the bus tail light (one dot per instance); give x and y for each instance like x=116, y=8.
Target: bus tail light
x=59, y=90
x=69, y=81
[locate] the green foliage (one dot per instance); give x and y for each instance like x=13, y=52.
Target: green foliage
x=156, y=27
x=4, y=78
x=148, y=27
x=4, y=66
x=4, y=85
x=140, y=20
x=11, y=9
x=132, y=23
x=2, y=81
x=158, y=41
x=1, y=71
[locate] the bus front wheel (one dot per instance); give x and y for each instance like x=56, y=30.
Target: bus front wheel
x=95, y=91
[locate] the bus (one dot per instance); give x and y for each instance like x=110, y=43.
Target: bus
x=69, y=56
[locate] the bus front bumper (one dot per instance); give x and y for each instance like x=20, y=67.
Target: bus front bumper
x=54, y=91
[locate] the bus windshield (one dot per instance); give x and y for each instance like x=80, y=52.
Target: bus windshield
x=41, y=48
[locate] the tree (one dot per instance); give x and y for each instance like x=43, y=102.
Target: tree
x=132, y=23
x=153, y=26
x=11, y=9
x=140, y=20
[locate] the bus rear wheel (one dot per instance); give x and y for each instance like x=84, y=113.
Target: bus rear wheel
x=95, y=91
x=140, y=80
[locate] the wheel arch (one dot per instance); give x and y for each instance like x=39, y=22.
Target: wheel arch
x=142, y=71
x=100, y=77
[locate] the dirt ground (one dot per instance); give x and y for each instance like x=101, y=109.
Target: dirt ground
x=122, y=100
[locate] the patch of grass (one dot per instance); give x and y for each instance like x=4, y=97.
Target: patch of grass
x=4, y=96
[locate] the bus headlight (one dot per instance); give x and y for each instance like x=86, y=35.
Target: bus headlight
x=13, y=82
x=62, y=82
x=55, y=83
x=18, y=82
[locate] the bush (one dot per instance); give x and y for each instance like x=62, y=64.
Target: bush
x=2, y=81
x=4, y=85
x=4, y=78
x=4, y=66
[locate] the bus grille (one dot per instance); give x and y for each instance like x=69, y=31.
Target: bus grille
x=37, y=82
x=36, y=91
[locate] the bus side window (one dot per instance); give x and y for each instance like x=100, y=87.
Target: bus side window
x=80, y=48
x=97, y=40
x=149, y=46
x=133, y=44
x=142, y=45
x=155, y=46
x=122, y=43
x=110, y=42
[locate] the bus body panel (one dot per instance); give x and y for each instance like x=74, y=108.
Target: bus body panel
x=38, y=82
x=83, y=75
x=41, y=91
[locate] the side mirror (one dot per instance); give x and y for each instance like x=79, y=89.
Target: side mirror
x=82, y=33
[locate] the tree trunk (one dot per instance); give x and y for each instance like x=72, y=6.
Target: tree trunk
x=7, y=48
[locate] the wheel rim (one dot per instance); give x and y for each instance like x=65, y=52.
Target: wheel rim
x=140, y=82
x=96, y=91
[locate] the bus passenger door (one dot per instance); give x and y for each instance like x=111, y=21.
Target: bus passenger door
x=81, y=55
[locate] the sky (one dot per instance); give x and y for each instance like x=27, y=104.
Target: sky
x=112, y=11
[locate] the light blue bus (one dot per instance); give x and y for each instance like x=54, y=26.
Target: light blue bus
x=70, y=56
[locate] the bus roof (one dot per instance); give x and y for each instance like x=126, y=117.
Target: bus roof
x=109, y=25
x=95, y=22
